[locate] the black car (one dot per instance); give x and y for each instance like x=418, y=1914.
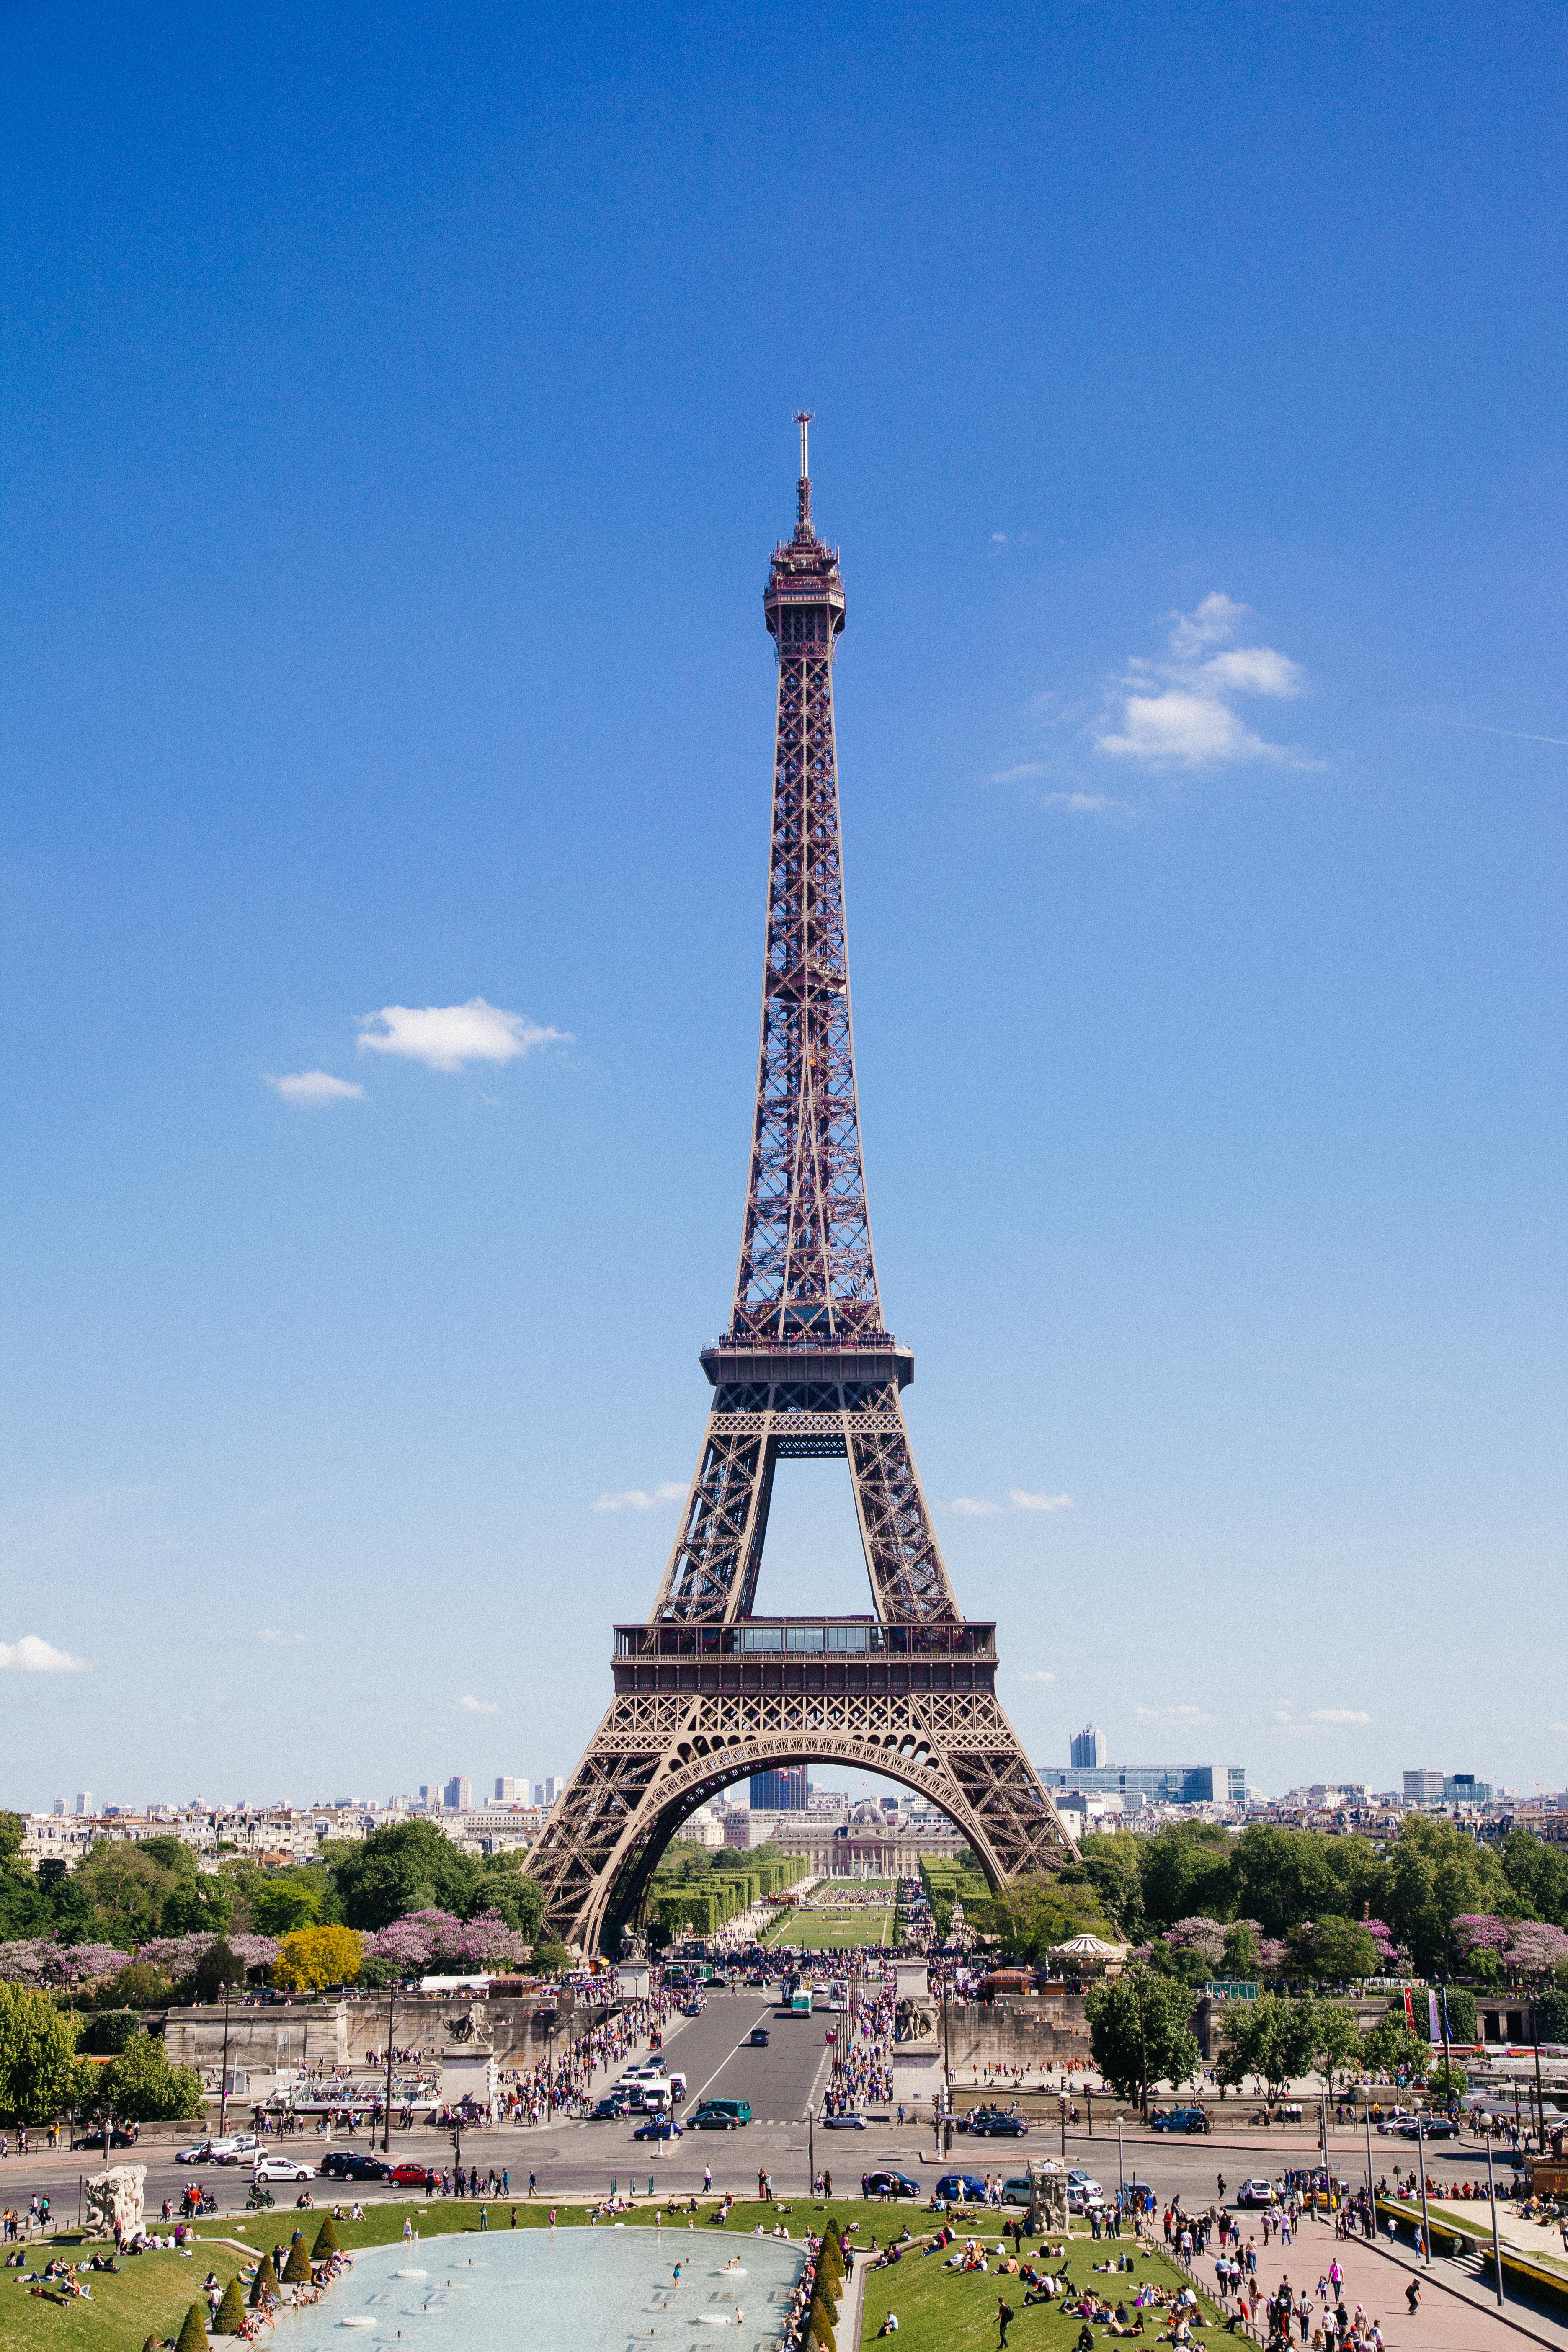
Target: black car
x=609, y=2110
x=349, y=2164
x=997, y=2128
x=889, y=2184
x=117, y=2139
x=759, y=2037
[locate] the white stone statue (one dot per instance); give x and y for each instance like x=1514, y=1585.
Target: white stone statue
x=116, y=2200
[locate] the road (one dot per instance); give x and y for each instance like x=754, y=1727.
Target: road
x=574, y=2159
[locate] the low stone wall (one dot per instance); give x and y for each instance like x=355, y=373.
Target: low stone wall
x=1030, y=2033
x=341, y=2034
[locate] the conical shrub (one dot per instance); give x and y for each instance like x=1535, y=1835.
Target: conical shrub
x=193, y=2335
x=327, y=2239
x=230, y=2319
x=264, y=2286
x=820, y=2330
x=297, y=2269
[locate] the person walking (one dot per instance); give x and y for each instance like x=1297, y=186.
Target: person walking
x=1005, y=2318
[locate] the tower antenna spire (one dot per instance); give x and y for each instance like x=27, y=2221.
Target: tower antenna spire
x=803, y=417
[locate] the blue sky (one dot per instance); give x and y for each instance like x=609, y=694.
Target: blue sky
x=397, y=422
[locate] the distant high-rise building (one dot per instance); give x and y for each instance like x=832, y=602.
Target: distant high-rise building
x=779, y=1792
x=1424, y=1788
x=546, y=1791
x=57, y=1808
x=458, y=1796
x=82, y=1804
x=1464, y=1789
x=1088, y=1747
x=1235, y=1784
x=512, y=1792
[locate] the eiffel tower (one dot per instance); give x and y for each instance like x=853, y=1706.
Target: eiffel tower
x=705, y=1692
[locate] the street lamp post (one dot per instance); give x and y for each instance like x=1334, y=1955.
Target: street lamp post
x=1491, y=2192
x=1426, y=2217
x=391, y=2005
x=223, y=2077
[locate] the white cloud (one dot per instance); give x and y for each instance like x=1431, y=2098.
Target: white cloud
x=1339, y=1715
x=1023, y=1501
x=480, y=1706
x=313, y=1088
x=974, y=1506
x=31, y=1656
x=450, y=1037
x=1025, y=769
x=1037, y=1674
x=1077, y=804
x=639, y=1498
x=1183, y=1718
x=284, y=1640
x=1179, y=712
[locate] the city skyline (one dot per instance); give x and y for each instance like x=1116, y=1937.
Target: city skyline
x=384, y=863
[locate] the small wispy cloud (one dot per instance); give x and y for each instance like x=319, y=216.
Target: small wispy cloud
x=974, y=1506
x=1081, y=804
x=1022, y=1500
x=640, y=1498
x=449, y=1037
x=1183, y=1716
x=471, y=1705
x=1034, y=1675
x=279, y=1638
x=313, y=1089
x=33, y=1655
x=1020, y=774
x=1179, y=711
x=1019, y=1498
x=1339, y=1715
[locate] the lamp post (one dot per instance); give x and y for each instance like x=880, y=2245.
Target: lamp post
x=1491, y=2192
x=386, y=2135
x=1426, y=2217
x=223, y=2076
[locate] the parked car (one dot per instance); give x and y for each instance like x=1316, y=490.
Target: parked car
x=759, y=2037
x=889, y=2184
x=843, y=2122
x=1085, y=2199
x=657, y=2127
x=350, y=2164
x=1079, y=2179
x=1179, y=2119
x=959, y=2189
x=282, y=2167
x=1253, y=2196
x=1016, y=2192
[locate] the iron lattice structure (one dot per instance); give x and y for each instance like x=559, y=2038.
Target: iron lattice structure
x=706, y=1693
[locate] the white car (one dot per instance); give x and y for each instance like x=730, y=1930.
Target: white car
x=199, y=2152
x=237, y=2149
x=843, y=2122
x=282, y=2167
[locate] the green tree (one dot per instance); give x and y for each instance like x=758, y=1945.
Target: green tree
x=1339, y=2043
x=1391, y=2046
x=1282, y=1877
x=327, y=2239
x=1272, y=2037
x=297, y=2269
x=1110, y=1864
x=219, y=1966
x=193, y=2335
x=264, y=2286
x=1436, y=1873
x=408, y=1866
x=1184, y=1962
x=197, y=1906
x=1140, y=2032
x=139, y=2086
x=127, y=1888
x=1184, y=1871
x=38, y=2057
x=551, y=1957
x=282, y=1909
x=1335, y=1949
x=1036, y=1912
x=1538, y=1874
x=24, y=1910
x=230, y=2319
x=1241, y=1959
x=139, y=1986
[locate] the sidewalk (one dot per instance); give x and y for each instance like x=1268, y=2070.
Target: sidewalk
x=1458, y=2313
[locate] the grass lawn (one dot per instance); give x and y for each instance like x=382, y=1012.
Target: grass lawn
x=152, y=2293
x=944, y=2311
x=821, y=1924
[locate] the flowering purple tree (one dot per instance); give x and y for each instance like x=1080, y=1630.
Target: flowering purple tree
x=178, y=1956
x=1198, y=1934
x=438, y=1942
x=42, y=1963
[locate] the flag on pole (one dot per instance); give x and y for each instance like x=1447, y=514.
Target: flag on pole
x=1434, y=2031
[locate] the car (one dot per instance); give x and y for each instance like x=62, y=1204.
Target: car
x=759, y=2037
x=349, y=2164
x=199, y=2152
x=1079, y=2179
x=1084, y=2199
x=843, y=2122
x=658, y=2127
x=121, y=2135
x=889, y=2184
x=411, y=2176
x=1179, y=2119
x=1016, y=2192
x=1253, y=2196
x=691, y=2009
x=959, y=2189
x=611, y=2108
x=237, y=2149
x=722, y=2115
x=997, y=2127
x=282, y=2167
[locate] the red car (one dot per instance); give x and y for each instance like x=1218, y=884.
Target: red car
x=410, y=2176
